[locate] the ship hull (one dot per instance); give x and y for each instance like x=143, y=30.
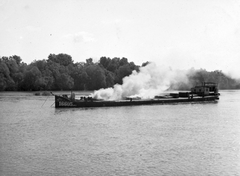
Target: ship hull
x=62, y=102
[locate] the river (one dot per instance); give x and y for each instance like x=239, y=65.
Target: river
x=180, y=139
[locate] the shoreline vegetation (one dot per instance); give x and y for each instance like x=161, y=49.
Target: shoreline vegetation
x=60, y=72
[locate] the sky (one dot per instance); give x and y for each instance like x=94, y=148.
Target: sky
x=181, y=34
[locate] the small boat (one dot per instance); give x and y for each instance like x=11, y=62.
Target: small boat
x=208, y=91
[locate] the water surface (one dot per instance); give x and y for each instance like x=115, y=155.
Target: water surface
x=179, y=139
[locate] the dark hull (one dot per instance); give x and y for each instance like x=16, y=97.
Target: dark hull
x=61, y=102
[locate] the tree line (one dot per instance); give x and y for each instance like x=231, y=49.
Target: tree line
x=59, y=72
x=197, y=77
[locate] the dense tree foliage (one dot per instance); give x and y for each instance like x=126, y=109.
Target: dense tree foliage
x=197, y=77
x=59, y=72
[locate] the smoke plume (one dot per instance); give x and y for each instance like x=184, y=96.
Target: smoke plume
x=150, y=81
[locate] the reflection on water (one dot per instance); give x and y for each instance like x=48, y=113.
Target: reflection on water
x=180, y=139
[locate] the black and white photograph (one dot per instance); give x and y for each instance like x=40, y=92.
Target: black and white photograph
x=119, y=87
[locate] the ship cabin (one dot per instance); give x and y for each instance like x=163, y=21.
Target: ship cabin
x=206, y=88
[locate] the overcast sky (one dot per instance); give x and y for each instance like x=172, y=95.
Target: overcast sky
x=177, y=33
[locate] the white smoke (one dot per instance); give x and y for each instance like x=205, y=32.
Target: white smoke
x=150, y=81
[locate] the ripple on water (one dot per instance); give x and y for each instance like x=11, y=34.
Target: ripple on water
x=181, y=139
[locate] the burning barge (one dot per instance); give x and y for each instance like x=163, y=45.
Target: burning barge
x=206, y=92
